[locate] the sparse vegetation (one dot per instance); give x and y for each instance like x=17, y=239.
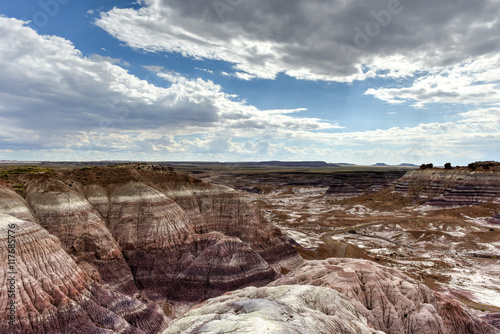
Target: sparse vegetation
x=426, y=166
x=19, y=188
x=24, y=170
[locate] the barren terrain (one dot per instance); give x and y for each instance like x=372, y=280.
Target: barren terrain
x=97, y=244
x=356, y=212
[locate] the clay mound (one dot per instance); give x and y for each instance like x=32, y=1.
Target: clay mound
x=390, y=301
x=213, y=208
x=142, y=228
x=52, y=294
x=142, y=217
x=208, y=207
x=82, y=232
x=284, y=309
x=13, y=204
x=457, y=319
x=168, y=259
x=222, y=264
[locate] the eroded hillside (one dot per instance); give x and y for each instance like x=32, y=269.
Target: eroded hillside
x=440, y=226
x=143, y=232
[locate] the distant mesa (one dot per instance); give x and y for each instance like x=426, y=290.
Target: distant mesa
x=404, y=164
x=342, y=164
x=295, y=163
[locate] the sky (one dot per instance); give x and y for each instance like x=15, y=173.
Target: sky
x=393, y=81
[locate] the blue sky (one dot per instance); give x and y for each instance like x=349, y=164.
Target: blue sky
x=226, y=80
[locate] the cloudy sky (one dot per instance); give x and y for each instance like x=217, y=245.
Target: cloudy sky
x=230, y=80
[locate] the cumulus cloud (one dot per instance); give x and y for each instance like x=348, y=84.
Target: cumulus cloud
x=50, y=90
x=55, y=102
x=315, y=40
x=473, y=83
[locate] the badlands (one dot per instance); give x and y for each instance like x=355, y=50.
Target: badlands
x=141, y=248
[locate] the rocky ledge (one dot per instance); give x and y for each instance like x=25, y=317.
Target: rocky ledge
x=451, y=187
x=344, y=185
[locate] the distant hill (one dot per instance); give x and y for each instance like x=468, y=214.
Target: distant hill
x=292, y=163
x=260, y=163
x=341, y=164
x=405, y=164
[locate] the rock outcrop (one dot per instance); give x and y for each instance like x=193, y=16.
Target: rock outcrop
x=45, y=291
x=348, y=185
x=451, y=188
x=274, y=310
x=390, y=301
x=341, y=190
x=493, y=319
x=495, y=220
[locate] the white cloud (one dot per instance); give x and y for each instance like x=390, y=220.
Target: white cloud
x=56, y=103
x=205, y=70
x=98, y=58
x=314, y=40
x=240, y=75
x=51, y=91
x=474, y=82
x=459, y=142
